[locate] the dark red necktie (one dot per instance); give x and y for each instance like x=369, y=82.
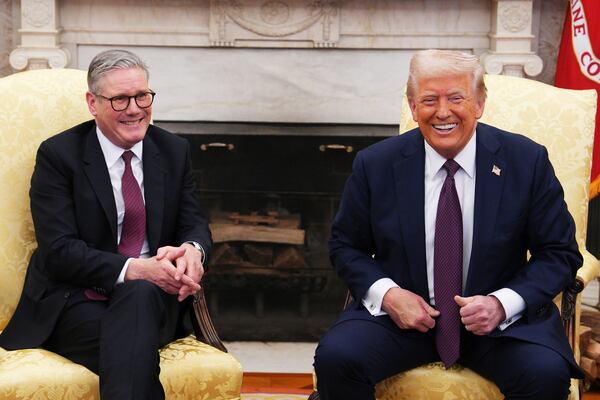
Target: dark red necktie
x=447, y=266
x=133, y=229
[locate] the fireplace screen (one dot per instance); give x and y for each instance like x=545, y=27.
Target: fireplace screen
x=270, y=200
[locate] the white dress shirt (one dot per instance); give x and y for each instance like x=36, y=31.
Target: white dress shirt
x=464, y=179
x=116, y=166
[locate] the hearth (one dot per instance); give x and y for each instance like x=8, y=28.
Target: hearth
x=271, y=192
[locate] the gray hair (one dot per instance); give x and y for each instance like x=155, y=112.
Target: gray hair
x=109, y=60
x=431, y=63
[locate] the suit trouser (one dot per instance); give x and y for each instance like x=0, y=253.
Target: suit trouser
x=119, y=339
x=356, y=354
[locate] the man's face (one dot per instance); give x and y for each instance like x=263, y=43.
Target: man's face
x=123, y=128
x=447, y=109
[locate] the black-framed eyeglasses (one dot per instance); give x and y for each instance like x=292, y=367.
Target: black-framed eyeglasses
x=121, y=102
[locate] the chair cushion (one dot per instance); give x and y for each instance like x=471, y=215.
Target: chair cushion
x=189, y=370
x=193, y=370
x=433, y=382
x=40, y=374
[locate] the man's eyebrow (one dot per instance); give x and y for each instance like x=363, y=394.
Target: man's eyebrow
x=457, y=91
x=129, y=95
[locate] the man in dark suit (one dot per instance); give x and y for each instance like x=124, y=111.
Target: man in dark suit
x=432, y=236
x=121, y=240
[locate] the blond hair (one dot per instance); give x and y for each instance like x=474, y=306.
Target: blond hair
x=431, y=63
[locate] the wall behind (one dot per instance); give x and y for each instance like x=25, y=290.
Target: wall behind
x=548, y=33
x=6, y=35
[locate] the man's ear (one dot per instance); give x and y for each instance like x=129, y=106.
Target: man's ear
x=413, y=109
x=91, y=103
x=479, y=107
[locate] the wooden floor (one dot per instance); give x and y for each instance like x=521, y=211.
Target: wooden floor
x=592, y=395
x=255, y=381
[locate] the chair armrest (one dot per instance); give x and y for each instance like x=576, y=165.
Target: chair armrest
x=590, y=268
x=203, y=327
x=587, y=272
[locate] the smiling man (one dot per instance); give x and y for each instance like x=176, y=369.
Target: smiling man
x=121, y=240
x=432, y=236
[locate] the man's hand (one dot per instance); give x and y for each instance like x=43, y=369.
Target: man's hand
x=188, y=262
x=408, y=310
x=480, y=314
x=160, y=272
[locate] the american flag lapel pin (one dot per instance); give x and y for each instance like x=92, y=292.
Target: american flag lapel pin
x=496, y=171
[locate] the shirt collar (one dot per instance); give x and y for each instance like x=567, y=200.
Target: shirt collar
x=112, y=152
x=466, y=158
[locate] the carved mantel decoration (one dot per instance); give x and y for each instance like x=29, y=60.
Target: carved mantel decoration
x=510, y=40
x=299, y=23
x=39, y=38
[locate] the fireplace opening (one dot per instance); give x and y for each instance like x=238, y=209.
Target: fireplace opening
x=270, y=192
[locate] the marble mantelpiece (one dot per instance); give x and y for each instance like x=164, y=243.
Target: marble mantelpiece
x=325, y=61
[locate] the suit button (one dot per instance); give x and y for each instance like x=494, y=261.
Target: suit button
x=67, y=294
x=541, y=311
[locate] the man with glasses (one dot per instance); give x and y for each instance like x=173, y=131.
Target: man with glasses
x=121, y=240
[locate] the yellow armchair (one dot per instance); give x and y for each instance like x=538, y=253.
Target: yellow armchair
x=33, y=106
x=563, y=121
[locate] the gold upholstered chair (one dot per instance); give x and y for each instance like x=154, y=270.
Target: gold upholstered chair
x=563, y=121
x=33, y=106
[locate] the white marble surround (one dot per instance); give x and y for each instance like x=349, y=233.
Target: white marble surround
x=331, y=61
x=6, y=12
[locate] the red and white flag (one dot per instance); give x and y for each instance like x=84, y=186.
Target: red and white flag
x=578, y=67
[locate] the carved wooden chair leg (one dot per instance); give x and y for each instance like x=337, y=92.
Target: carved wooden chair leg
x=202, y=323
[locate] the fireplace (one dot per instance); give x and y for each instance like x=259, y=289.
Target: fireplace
x=270, y=192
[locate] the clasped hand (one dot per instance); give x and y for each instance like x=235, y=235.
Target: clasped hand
x=176, y=270
x=479, y=314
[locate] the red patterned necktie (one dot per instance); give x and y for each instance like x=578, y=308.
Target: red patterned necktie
x=133, y=229
x=447, y=265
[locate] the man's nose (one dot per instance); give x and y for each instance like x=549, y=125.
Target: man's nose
x=132, y=107
x=443, y=110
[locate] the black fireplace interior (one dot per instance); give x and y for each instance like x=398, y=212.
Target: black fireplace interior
x=283, y=170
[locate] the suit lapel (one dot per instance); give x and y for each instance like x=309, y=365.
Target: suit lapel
x=154, y=187
x=94, y=166
x=491, y=172
x=409, y=173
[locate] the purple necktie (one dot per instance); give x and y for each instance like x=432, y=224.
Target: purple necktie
x=447, y=266
x=133, y=230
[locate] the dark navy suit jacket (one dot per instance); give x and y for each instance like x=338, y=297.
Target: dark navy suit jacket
x=75, y=220
x=379, y=230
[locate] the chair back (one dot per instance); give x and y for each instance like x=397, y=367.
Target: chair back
x=34, y=105
x=562, y=120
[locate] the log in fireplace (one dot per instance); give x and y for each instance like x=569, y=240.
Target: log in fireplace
x=270, y=192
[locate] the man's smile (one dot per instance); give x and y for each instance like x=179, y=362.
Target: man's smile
x=444, y=128
x=134, y=122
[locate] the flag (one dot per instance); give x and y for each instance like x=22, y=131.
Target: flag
x=578, y=67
